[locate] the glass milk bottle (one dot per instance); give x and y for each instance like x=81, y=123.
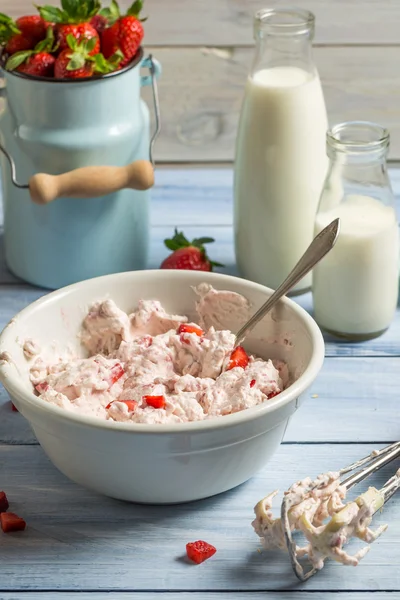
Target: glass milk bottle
x=355, y=286
x=280, y=163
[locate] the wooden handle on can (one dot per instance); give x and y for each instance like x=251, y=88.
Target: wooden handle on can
x=91, y=182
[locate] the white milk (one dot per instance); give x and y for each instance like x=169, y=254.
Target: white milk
x=279, y=172
x=355, y=286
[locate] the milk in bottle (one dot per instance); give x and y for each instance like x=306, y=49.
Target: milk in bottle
x=280, y=162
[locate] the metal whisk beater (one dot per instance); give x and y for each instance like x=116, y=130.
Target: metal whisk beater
x=370, y=464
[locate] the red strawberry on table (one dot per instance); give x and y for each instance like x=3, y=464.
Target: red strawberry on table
x=199, y=551
x=11, y=522
x=22, y=34
x=125, y=33
x=38, y=62
x=188, y=255
x=77, y=61
x=3, y=502
x=73, y=19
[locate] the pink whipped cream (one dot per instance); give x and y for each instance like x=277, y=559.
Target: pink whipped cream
x=132, y=357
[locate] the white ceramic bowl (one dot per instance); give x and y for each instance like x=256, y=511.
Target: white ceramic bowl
x=160, y=463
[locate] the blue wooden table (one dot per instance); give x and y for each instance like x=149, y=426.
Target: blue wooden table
x=81, y=546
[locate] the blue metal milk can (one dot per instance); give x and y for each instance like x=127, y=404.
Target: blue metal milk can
x=76, y=159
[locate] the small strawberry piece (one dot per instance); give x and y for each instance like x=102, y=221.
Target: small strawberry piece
x=238, y=358
x=3, y=502
x=272, y=395
x=42, y=387
x=252, y=383
x=116, y=373
x=188, y=255
x=131, y=404
x=155, y=401
x=185, y=328
x=11, y=522
x=200, y=551
x=15, y=409
x=125, y=33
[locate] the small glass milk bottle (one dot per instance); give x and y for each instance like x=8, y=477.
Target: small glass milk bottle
x=280, y=162
x=355, y=287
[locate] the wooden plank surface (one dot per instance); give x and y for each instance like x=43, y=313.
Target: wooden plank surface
x=233, y=595
x=200, y=106
x=229, y=22
x=79, y=541
x=352, y=400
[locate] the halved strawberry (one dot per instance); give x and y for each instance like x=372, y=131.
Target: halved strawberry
x=155, y=401
x=200, y=551
x=188, y=255
x=11, y=522
x=238, y=358
x=3, y=502
x=185, y=328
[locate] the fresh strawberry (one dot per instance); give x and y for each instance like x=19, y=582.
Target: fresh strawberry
x=98, y=22
x=3, y=502
x=185, y=328
x=155, y=401
x=200, y=551
x=38, y=62
x=238, y=358
x=77, y=61
x=188, y=255
x=81, y=31
x=11, y=522
x=11, y=36
x=125, y=32
x=73, y=19
x=32, y=26
x=131, y=404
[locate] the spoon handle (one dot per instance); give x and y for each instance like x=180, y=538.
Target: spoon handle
x=319, y=247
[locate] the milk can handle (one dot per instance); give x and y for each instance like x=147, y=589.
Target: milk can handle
x=155, y=71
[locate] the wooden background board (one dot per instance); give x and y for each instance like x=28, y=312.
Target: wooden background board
x=205, y=47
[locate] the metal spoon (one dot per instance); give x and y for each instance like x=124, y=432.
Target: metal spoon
x=319, y=247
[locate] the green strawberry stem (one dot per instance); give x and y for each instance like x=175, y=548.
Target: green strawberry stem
x=80, y=54
x=112, y=13
x=180, y=241
x=71, y=11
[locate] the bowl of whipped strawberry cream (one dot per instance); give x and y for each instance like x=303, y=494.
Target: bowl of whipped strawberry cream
x=134, y=387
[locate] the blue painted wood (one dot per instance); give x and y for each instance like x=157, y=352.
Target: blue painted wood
x=353, y=400
x=192, y=596
x=79, y=541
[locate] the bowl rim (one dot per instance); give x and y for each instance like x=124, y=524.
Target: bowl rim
x=11, y=381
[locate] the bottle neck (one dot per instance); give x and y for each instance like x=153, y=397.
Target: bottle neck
x=283, y=39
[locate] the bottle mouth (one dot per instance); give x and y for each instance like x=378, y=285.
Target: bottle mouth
x=358, y=137
x=284, y=21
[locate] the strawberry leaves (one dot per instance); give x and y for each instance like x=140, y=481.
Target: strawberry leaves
x=71, y=11
x=8, y=28
x=111, y=13
x=81, y=54
x=179, y=240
